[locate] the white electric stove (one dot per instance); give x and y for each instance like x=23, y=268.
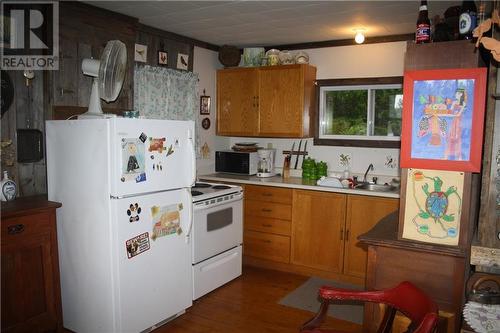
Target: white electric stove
x=217, y=235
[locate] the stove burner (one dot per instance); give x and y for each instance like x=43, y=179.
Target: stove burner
x=201, y=185
x=220, y=187
x=195, y=193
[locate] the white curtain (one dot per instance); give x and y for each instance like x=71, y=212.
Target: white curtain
x=164, y=93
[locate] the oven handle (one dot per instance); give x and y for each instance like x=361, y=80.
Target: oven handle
x=237, y=197
x=191, y=216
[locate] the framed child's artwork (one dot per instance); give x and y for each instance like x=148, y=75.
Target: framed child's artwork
x=433, y=206
x=443, y=115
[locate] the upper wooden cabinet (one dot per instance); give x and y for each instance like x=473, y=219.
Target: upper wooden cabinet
x=273, y=101
x=237, y=110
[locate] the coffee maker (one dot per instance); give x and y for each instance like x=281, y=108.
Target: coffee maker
x=265, y=166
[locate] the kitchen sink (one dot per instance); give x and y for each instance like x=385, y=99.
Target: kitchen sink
x=375, y=187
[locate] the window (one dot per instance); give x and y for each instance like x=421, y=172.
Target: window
x=360, y=112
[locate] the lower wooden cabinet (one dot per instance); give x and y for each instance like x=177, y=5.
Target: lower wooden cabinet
x=31, y=300
x=267, y=246
x=363, y=213
x=317, y=230
x=267, y=223
x=310, y=232
x=325, y=227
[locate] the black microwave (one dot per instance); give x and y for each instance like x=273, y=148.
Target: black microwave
x=243, y=163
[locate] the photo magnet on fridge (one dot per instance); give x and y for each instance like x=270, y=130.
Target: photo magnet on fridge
x=157, y=145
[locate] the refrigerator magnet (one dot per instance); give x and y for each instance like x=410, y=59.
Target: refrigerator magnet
x=133, y=212
x=137, y=245
x=170, y=150
x=133, y=166
x=166, y=220
x=156, y=144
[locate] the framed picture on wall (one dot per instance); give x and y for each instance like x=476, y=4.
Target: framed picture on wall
x=443, y=113
x=182, y=61
x=162, y=58
x=205, y=105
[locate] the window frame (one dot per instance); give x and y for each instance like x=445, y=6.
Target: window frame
x=354, y=140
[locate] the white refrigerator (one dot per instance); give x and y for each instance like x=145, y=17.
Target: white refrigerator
x=124, y=225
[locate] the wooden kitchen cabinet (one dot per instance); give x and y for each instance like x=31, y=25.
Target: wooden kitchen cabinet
x=318, y=230
x=31, y=300
x=237, y=110
x=273, y=101
x=362, y=214
x=325, y=227
x=267, y=223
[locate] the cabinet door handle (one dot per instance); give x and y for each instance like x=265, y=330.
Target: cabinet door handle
x=15, y=229
x=266, y=241
x=267, y=210
x=267, y=194
x=267, y=225
x=347, y=235
x=342, y=234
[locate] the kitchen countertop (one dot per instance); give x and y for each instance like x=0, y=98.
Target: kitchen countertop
x=292, y=182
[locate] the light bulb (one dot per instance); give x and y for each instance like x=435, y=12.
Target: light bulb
x=359, y=38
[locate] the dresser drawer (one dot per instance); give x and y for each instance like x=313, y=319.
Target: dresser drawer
x=266, y=246
x=264, y=224
x=268, y=209
x=17, y=228
x=268, y=194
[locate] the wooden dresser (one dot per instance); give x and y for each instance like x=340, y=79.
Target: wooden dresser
x=440, y=271
x=31, y=297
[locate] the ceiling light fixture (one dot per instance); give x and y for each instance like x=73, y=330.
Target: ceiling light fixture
x=359, y=37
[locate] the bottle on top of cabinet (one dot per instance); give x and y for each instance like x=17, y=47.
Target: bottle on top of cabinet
x=468, y=19
x=9, y=188
x=423, y=32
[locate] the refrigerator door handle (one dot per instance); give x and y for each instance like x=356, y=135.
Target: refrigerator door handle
x=190, y=210
x=193, y=157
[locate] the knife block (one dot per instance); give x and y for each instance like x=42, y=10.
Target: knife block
x=286, y=167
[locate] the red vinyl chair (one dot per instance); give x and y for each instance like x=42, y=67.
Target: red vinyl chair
x=405, y=298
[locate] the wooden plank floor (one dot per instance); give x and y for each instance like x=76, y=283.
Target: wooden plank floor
x=249, y=304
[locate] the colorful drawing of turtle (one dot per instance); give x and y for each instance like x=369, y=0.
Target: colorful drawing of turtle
x=436, y=203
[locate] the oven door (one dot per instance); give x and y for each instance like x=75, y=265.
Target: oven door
x=217, y=228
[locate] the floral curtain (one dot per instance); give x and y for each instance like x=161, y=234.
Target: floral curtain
x=164, y=93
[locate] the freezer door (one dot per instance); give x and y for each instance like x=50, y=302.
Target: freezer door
x=151, y=155
x=153, y=267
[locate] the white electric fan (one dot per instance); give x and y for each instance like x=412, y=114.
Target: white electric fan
x=108, y=74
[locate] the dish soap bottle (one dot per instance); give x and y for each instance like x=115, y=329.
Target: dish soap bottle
x=9, y=188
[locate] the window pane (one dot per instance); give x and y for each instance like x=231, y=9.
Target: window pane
x=388, y=107
x=345, y=112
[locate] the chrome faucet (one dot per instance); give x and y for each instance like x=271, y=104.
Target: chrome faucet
x=370, y=167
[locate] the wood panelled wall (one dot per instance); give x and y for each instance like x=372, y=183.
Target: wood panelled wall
x=83, y=33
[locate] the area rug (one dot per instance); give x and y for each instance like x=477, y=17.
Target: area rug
x=305, y=297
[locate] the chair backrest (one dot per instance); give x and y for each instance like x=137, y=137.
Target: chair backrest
x=405, y=297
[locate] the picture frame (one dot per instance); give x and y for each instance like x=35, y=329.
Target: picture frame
x=423, y=216
x=141, y=53
x=205, y=105
x=205, y=123
x=162, y=58
x=182, y=61
x=443, y=119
